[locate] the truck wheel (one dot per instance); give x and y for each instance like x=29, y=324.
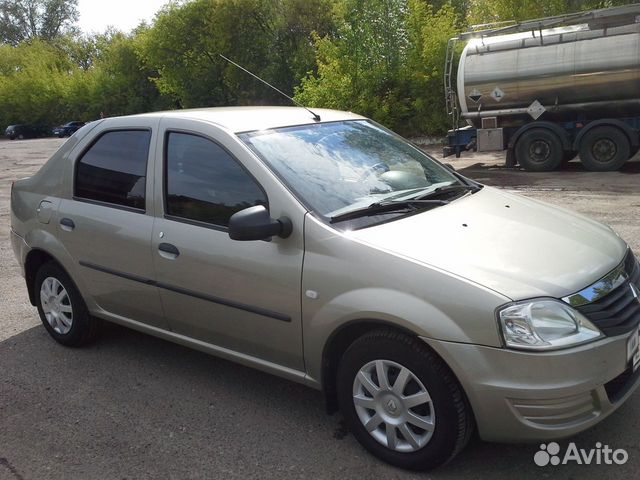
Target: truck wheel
x=401, y=401
x=539, y=150
x=604, y=149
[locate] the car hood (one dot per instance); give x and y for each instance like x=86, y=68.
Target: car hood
x=516, y=246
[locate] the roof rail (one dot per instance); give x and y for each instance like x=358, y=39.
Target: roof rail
x=596, y=19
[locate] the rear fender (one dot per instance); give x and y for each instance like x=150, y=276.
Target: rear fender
x=42, y=240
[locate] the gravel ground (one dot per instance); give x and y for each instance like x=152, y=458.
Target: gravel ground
x=132, y=406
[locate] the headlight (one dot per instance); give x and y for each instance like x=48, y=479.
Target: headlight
x=545, y=324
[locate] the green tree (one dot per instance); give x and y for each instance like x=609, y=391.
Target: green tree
x=184, y=44
x=296, y=26
x=429, y=31
x=22, y=20
x=386, y=63
x=272, y=38
x=35, y=82
x=359, y=69
x=487, y=11
x=381, y=58
x=120, y=80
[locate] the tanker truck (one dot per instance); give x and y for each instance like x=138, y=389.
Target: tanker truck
x=549, y=89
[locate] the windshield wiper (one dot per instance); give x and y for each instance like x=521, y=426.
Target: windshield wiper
x=389, y=206
x=448, y=189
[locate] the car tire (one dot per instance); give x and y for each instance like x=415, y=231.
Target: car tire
x=604, y=149
x=398, y=439
x=61, y=307
x=20, y=136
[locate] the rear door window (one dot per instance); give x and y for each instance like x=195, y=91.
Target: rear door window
x=114, y=169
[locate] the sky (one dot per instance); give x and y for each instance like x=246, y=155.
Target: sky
x=97, y=15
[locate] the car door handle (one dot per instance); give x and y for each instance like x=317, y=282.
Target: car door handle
x=67, y=224
x=168, y=251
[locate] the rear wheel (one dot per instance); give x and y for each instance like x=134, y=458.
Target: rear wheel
x=539, y=150
x=401, y=402
x=604, y=149
x=61, y=307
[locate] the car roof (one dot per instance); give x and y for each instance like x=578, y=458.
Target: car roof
x=247, y=119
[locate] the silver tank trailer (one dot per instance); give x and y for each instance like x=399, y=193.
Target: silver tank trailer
x=572, y=71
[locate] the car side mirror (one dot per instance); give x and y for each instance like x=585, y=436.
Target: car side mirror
x=255, y=223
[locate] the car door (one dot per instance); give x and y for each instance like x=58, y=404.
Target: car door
x=240, y=296
x=107, y=223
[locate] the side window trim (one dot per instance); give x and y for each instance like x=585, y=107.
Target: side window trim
x=84, y=151
x=110, y=205
x=165, y=170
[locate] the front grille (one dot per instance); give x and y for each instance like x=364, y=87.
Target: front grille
x=618, y=312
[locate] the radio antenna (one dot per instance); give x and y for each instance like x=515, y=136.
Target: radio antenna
x=316, y=117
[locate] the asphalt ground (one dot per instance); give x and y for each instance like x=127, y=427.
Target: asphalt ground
x=132, y=406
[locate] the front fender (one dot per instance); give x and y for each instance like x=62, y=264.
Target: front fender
x=391, y=306
x=465, y=322
x=346, y=280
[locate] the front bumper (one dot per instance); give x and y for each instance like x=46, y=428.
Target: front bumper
x=522, y=396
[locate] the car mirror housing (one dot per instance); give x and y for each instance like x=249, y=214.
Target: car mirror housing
x=255, y=223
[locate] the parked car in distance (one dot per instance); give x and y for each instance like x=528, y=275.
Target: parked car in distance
x=22, y=131
x=67, y=129
x=330, y=251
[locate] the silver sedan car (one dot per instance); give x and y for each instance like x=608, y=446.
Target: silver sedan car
x=330, y=251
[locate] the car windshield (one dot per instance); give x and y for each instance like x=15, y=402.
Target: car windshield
x=338, y=167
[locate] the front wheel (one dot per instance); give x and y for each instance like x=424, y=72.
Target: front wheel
x=61, y=307
x=402, y=402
